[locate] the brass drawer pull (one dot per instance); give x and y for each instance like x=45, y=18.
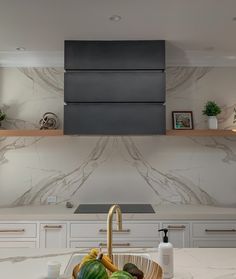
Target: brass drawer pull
x=12, y=231
x=115, y=231
x=180, y=227
x=220, y=231
x=52, y=227
x=115, y=244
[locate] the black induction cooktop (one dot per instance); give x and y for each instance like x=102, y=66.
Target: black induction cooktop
x=104, y=208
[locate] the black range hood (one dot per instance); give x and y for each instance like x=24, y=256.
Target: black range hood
x=114, y=87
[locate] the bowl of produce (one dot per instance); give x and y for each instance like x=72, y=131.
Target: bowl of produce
x=98, y=265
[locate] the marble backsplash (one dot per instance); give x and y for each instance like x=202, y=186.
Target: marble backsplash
x=147, y=169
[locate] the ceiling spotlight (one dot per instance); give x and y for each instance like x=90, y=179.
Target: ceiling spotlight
x=231, y=57
x=20, y=48
x=209, y=48
x=115, y=18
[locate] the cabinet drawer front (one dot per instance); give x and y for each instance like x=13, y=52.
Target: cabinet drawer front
x=17, y=244
x=214, y=230
x=214, y=243
x=113, y=86
x=130, y=230
x=18, y=230
x=114, y=118
x=116, y=244
x=112, y=55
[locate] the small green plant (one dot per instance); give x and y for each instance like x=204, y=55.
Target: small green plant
x=211, y=109
x=2, y=115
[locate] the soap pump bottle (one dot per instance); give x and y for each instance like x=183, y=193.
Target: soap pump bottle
x=165, y=256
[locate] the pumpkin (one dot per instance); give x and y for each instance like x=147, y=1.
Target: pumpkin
x=92, y=269
x=121, y=275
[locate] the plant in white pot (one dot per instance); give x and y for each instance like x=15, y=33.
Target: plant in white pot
x=2, y=117
x=211, y=109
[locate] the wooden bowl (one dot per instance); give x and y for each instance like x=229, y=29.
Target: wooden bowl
x=150, y=269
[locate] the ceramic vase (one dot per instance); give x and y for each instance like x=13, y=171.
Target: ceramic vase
x=212, y=122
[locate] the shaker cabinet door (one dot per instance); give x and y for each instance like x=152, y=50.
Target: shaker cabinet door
x=179, y=234
x=53, y=235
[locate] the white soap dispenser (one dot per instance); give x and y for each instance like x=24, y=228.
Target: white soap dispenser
x=165, y=256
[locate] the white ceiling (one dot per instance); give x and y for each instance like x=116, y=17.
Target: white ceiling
x=197, y=31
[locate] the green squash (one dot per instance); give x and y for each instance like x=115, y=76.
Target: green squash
x=91, y=270
x=121, y=275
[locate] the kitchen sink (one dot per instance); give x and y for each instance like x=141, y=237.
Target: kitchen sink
x=104, y=208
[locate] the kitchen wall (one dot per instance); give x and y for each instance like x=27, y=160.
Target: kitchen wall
x=156, y=169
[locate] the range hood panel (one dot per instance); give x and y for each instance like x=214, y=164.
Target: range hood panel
x=115, y=86
x=114, y=118
x=111, y=55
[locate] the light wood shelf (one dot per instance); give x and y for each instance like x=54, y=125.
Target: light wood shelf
x=58, y=133
x=31, y=133
x=201, y=133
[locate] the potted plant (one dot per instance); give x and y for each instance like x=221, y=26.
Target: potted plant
x=2, y=117
x=211, y=109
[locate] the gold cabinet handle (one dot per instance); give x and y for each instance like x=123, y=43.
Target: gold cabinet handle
x=115, y=231
x=52, y=227
x=177, y=227
x=115, y=244
x=12, y=231
x=220, y=231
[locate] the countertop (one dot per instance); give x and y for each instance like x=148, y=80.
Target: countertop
x=194, y=263
x=162, y=212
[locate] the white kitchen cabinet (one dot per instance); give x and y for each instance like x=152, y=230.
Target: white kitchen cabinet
x=213, y=230
x=179, y=234
x=133, y=234
x=136, y=233
x=127, y=243
x=53, y=235
x=214, y=243
x=19, y=229
x=213, y=234
x=17, y=244
x=132, y=229
x=18, y=235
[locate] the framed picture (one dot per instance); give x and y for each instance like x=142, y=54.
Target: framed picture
x=182, y=120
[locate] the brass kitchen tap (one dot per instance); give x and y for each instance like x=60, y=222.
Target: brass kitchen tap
x=113, y=209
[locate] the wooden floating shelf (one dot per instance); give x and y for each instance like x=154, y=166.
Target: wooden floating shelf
x=201, y=133
x=58, y=133
x=31, y=133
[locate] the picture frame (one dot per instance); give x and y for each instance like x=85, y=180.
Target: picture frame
x=182, y=120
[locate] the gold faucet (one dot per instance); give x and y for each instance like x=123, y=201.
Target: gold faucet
x=113, y=209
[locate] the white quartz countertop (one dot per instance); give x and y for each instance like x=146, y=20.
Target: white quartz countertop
x=194, y=263
x=171, y=212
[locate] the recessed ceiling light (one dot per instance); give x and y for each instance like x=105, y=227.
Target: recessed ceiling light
x=231, y=57
x=20, y=48
x=115, y=18
x=209, y=48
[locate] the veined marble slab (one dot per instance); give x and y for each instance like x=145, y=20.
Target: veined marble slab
x=157, y=170
x=193, y=263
